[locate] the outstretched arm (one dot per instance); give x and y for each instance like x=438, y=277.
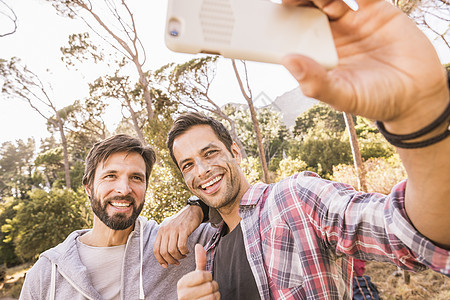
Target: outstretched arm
x=389, y=71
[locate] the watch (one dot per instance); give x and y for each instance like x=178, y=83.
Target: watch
x=194, y=200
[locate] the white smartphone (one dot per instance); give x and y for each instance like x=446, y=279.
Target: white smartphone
x=257, y=30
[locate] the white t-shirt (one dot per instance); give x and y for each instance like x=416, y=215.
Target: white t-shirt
x=104, y=266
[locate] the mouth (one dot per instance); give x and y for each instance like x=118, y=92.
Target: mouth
x=210, y=183
x=120, y=204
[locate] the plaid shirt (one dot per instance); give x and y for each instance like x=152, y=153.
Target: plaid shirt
x=299, y=235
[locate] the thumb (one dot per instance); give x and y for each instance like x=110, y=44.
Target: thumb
x=200, y=258
x=311, y=76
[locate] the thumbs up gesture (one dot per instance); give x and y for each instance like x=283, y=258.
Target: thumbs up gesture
x=198, y=284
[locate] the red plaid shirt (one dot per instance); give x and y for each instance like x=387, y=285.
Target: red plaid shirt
x=301, y=233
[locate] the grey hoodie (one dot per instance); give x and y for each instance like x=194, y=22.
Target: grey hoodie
x=59, y=273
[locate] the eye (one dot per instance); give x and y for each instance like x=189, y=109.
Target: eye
x=137, y=178
x=186, y=166
x=210, y=152
x=109, y=176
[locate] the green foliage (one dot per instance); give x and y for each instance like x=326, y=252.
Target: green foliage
x=321, y=153
x=371, y=143
x=251, y=167
x=7, y=248
x=80, y=48
x=46, y=219
x=381, y=174
x=322, y=140
x=320, y=117
x=51, y=162
x=16, y=168
x=166, y=193
x=275, y=135
x=290, y=166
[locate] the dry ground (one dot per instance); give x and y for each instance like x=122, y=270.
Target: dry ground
x=426, y=285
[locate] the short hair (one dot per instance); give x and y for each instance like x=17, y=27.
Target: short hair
x=191, y=119
x=117, y=143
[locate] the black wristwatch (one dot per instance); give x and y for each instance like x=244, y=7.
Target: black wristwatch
x=194, y=200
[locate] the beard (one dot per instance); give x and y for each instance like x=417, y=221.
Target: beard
x=118, y=221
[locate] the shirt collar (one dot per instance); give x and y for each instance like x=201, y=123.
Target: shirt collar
x=253, y=194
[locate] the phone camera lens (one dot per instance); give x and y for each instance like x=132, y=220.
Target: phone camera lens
x=174, y=27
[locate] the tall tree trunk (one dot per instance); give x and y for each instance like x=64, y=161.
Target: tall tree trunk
x=144, y=83
x=248, y=98
x=65, y=152
x=357, y=160
x=134, y=118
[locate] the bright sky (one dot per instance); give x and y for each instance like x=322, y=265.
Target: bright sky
x=41, y=33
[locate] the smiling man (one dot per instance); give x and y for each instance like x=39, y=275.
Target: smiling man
x=296, y=238
x=114, y=259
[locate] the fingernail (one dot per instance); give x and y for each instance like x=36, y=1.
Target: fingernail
x=164, y=266
x=352, y=4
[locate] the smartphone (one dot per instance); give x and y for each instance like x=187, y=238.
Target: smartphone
x=257, y=30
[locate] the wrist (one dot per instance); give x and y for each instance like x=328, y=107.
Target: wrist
x=195, y=201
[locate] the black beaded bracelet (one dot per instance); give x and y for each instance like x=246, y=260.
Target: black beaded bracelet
x=399, y=140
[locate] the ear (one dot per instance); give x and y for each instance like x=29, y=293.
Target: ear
x=87, y=190
x=236, y=153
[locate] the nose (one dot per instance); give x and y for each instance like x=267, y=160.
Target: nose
x=203, y=168
x=123, y=186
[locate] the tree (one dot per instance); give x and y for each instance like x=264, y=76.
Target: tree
x=113, y=21
x=7, y=13
x=16, y=169
x=247, y=93
x=119, y=88
x=7, y=213
x=275, y=136
x=331, y=121
x=21, y=83
x=431, y=16
x=320, y=140
x=46, y=219
x=357, y=159
x=290, y=166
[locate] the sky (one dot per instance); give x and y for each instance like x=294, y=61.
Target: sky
x=41, y=33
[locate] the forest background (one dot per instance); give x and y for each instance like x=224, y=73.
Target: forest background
x=132, y=88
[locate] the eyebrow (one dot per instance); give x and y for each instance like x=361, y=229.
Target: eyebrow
x=204, y=149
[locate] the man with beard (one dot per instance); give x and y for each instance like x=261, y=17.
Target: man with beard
x=114, y=259
x=296, y=238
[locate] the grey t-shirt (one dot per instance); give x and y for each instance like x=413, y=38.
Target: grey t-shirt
x=104, y=266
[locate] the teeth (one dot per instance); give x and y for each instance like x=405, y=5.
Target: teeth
x=120, y=204
x=204, y=186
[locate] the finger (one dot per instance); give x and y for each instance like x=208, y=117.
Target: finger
x=195, y=279
x=164, y=251
x=203, y=290
x=156, y=251
x=200, y=258
x=173, y=246
x=316, y=82
x=212, y=291
x=182, y=243
x=333, y=8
